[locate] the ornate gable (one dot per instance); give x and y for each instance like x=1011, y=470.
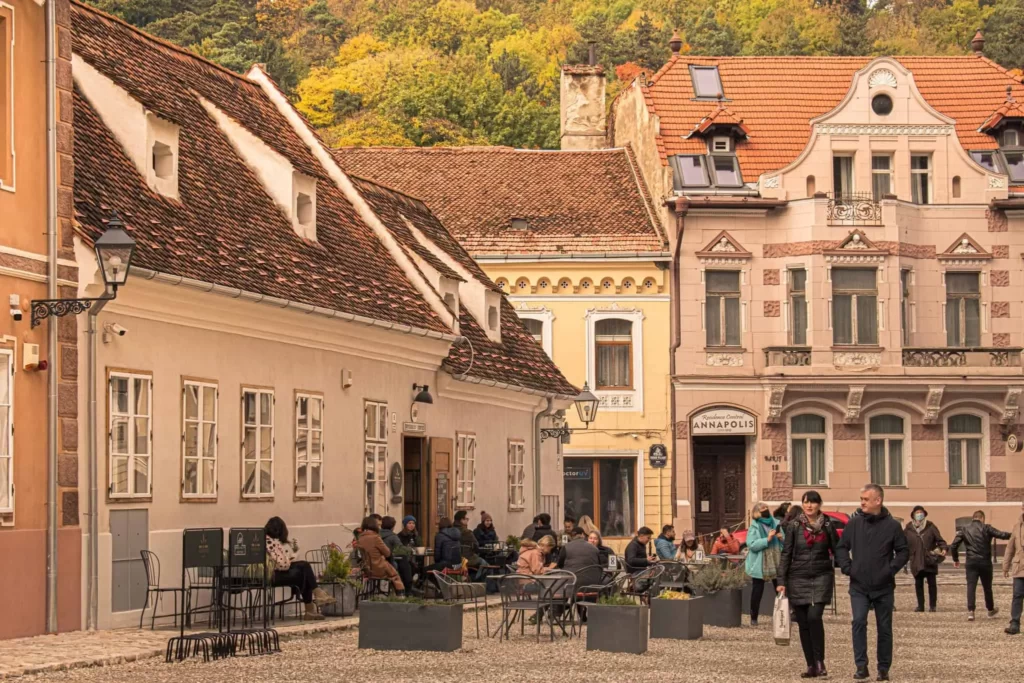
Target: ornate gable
x=965, y=251
x=724, y=249
x=855, y=248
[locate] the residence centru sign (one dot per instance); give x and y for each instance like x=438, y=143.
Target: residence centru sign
x=715, y=421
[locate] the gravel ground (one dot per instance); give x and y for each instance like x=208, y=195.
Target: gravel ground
x=929, y=647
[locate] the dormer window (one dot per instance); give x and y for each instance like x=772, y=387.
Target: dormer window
x=713, y=170
x=706, y=82
x=727, y=170
x=986, y=159
x=304, y=205
x=492, y=318
x=520, y=224
x=1011, y=137
x=162, y=138
x=720, y=144
x=163, y=160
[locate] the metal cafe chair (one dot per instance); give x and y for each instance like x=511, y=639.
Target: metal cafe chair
x=559, y=599
x=155, y=592
x=464, y=592
x=519, y=593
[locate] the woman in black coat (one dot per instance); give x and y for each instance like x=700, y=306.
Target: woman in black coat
x=927, y=550
x=807, y=577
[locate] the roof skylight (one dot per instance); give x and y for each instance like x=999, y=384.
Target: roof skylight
x=706, y=82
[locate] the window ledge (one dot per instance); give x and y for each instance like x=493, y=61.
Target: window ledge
x=314, y=497
x=856, y=347
x=198, y=499
x=724, y=349
x=129, y=499
x=968, y=486
x=260, y=499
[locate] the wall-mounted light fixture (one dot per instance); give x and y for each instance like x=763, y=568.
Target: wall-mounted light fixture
x=586, y=406
x=424, y=394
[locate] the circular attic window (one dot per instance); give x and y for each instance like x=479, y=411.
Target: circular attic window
x=881, y=105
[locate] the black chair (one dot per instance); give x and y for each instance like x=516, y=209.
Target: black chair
x=153, y=588
x=676, y=575
x=198, y=579
x=642, y=584
x=519, y=593
x=559, y=599
x=454, y=592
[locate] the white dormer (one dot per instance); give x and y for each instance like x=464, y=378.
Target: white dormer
x=304, y=205
x=162, y=141
x=449, y=291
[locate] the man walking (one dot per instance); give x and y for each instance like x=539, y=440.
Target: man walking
x=977, y=537
x=1013, y=564
x=879, y=549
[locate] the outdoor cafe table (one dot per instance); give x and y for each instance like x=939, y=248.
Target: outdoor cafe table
x=553, y=597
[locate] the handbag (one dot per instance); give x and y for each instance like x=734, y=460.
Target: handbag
x=770, y=559
x=780, y=620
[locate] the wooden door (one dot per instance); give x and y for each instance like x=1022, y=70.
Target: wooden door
x=719, y=475
x=438, y=496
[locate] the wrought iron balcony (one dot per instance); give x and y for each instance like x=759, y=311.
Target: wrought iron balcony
x=787, y=356
x=857, y=208
x=973, y=357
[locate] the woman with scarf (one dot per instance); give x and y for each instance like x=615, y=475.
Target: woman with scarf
x=485, y=532
x=688, y=548
x=927, y=550
x=764, y=550
x=807, y=577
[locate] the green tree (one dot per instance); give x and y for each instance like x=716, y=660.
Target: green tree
x=1003, y=32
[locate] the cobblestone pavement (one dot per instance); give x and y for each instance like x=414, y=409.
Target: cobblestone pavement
x=929, y=647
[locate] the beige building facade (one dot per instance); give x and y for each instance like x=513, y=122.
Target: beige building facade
x=848, y=285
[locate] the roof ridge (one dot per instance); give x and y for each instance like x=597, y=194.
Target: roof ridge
x=638, y=177
x=472, y=149
x=159, y=41
x=387, y=188
x=1000, y=67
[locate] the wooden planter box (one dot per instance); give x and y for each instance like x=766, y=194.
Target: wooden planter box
x=408, y=626
x=345, y=595
x=767, y=599
x=724, y=608
x=615, y=628
x=678, y=619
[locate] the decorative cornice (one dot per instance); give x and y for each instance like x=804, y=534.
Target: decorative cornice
x=878, y=129
x=713, y=260
x=856, y=359
x=853, y=257
x=725, y=360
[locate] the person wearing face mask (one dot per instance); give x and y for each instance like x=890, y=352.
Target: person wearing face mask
x=764, y=546
x=927, y=550
x=807, y=577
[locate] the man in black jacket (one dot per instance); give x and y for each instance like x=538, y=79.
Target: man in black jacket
x=977, y=537
x=879, y=549
x=636, y=552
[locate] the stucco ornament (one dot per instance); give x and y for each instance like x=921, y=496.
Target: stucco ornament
x=1011, y=409
x=725, y=360
x=724, y=245
x=771, y=182
x=854, y=399
x=775, y=396
x=965, y=247
x=882, y=77
x=856, y=359
x=996, y=183
x=932, y=404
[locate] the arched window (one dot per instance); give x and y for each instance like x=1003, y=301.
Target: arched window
x=887, y=450
x=963, y=448
x=807, y=442
x=614, y=352
x=810, y=186
x=956, y=187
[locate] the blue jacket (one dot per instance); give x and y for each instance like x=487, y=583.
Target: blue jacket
x=448, y=547
x=757, y=543
x=665, y=548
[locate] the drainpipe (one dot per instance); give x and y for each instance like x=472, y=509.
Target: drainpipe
x=91, y=453
x=51, y=292
x=547, y=412
x=679, y=208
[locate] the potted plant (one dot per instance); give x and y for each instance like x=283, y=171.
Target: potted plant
x=337, y=579
x=677, y=615
x=513, y=541
x=722, y=589
x=388, y=622
x=617, y=624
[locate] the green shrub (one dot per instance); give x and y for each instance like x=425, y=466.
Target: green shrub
x=513, y=541
x=408, y=600
x=617, y=600
x=714, y=577
x=339, y=568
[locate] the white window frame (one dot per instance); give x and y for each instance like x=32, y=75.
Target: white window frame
x=199, y=423
x=546, y=317
x=907, y=446
x=627, y=400
x=7, y=459
x=8, y=184
x=309, y=460
x=375, y=451
x=854, y=295
x=828, y=445
x=516, y=475
x=853, y=173
x=887, y=172
x=465, y=470
x=791, y=309
x=259, y=392
x=983, y=448
x=961, y=312
x=130, y=455
x=928, y=172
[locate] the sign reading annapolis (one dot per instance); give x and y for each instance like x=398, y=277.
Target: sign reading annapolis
x=722, y=421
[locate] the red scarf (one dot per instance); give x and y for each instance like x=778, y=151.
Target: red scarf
x=811, y=535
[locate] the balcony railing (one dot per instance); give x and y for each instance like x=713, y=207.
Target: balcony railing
x=857, y=208
x=787, y=356
x=975, y=357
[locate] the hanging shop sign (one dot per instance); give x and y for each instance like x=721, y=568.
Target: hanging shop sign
x=719, y=421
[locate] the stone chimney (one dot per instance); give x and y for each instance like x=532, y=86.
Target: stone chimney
x=978, y=43
x=583, y=120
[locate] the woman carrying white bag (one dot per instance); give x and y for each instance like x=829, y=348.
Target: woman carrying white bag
x=807, y=579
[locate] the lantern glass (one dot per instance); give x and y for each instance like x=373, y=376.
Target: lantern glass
x=586, y=405
x=114, y=250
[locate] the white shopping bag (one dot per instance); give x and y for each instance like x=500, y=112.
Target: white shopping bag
x=780, y=620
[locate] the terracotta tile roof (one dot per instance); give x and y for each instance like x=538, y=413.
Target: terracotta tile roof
x=776, y=97
x=225, y=228
x=721, y=116
x=1010, y=109
x=574, y=202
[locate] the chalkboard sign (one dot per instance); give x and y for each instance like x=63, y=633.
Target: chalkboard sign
x=203, y=548
x=658, y=455
x=247, y=546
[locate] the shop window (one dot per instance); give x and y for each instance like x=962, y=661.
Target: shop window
x=603, y=489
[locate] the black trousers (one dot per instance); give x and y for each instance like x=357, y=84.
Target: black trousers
x=756, y=593
x=1017, y=603
x=300, y=575
x=983, y=572
x=882, y=603
x=404, y=567
x=812, y=631
x=933, y=589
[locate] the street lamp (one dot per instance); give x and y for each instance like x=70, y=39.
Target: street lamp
x=114, y=250
x=586, y=406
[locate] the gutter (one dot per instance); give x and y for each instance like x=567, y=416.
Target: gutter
x=577, y=256
x=547, y=412
x=51, y=293
x=512, y=387
x=743, y=202
x=92, y=458
x=680, y=207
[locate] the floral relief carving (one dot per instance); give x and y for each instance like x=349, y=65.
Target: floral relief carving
x=725, y=360
x=882, y=77
x=856, y=359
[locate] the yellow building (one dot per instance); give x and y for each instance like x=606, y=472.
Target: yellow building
x=574, y=240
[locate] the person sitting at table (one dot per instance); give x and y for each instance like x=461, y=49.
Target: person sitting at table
x=543, y=527
x=409, y=536
x=532, y=554
x=376, y=555
x=587, y=524
x=725, y=544
x=530, y=528
x=485, y=532
x=401, y=555
x=636, y=555
x=470, y=548
x=603, y=551
x=568, y=524
x=582, y=559
x=664, y=544
x=688, y=548
x=447, y=549
x=289, y=571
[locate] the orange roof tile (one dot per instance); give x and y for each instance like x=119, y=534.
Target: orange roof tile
x=776, y=98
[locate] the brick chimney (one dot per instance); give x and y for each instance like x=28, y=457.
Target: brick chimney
x=583, y=120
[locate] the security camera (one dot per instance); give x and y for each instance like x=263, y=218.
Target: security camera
x=16, y=314
x=119, y=329
x=15, y=301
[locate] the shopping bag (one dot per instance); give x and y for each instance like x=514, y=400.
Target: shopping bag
x=780, y=620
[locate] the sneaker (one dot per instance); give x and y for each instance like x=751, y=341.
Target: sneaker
x=883, y=675
x=970, y=616
x=993, y=612
x=861, y=675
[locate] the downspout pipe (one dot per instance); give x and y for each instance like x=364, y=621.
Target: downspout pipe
x=547, y=412
x=679, y=209
x=92, y=455
x=51, y=291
